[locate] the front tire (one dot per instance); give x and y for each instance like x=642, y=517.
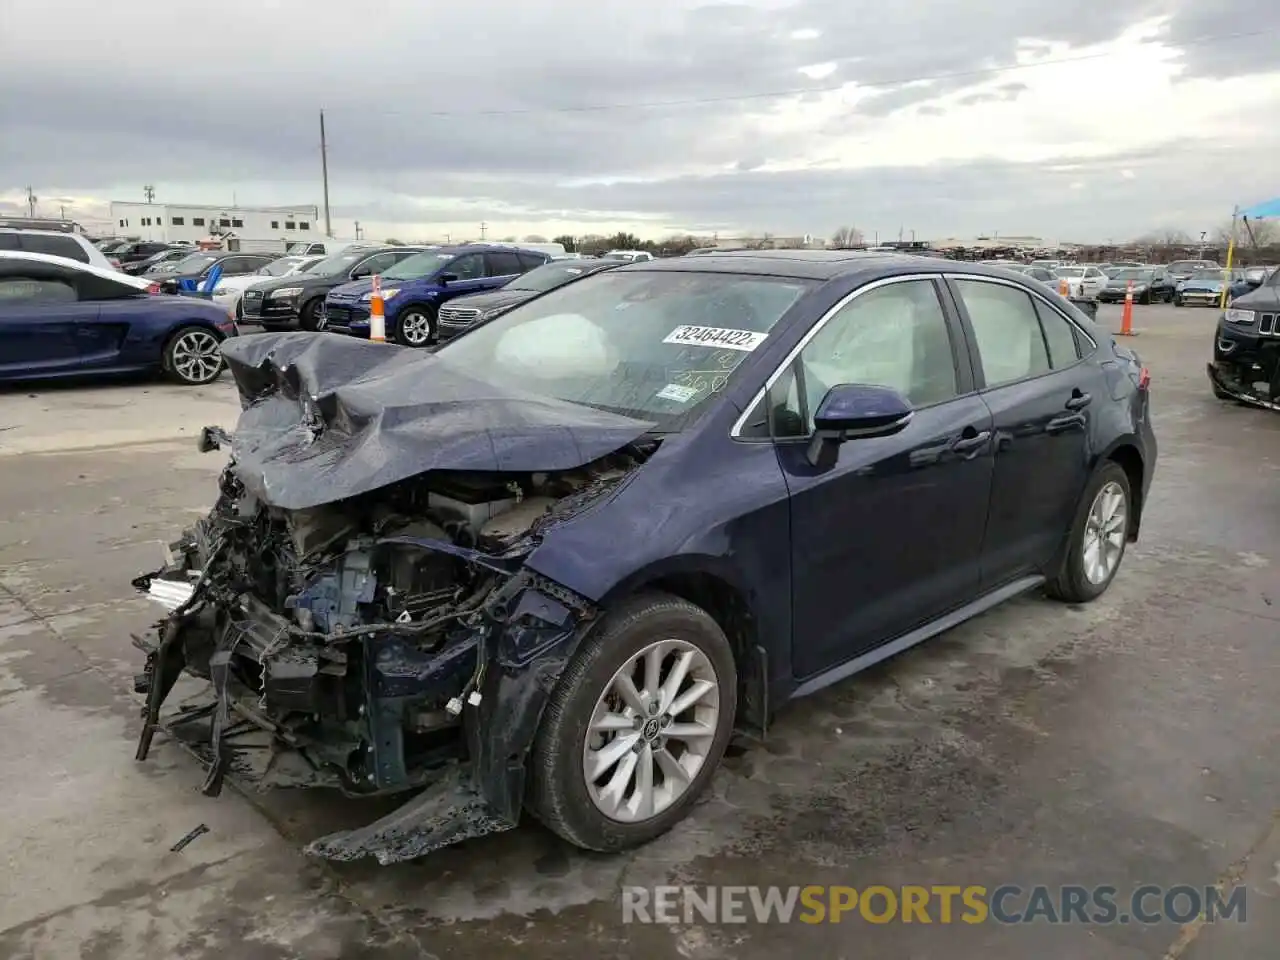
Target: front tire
x=1098, y=538
x=309, y=315
x=193, y=357
x=414, y=327
x=636, y=726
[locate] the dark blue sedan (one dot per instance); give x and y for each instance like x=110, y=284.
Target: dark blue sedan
x=554, y=564
x=61, y=318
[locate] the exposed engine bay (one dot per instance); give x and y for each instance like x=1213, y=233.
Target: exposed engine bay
x=349, y=645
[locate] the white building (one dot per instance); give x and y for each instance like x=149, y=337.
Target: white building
x=168, y=222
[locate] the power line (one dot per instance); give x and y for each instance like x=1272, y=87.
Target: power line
x=798, y=91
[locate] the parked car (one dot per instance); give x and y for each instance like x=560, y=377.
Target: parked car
x=1149, y=285
x=465, y=312
x=1086, y=303
x=594, y=541
x=415, y=288
x=229, y=292
x=630, y=256
x=1082, y=281
x=169, y=255
x=299, y=300
x=1246, y=347
x=197, y=267
x=110, y=244
x=60, y=318
x=54, y=243
x=1183, y=269
x=137, y=251
x=1204, y=287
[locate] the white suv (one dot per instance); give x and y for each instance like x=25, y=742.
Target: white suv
x=51, y=242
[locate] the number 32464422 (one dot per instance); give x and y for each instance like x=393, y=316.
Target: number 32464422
x=718, y=337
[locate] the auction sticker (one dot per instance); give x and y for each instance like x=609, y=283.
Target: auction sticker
x=719, y=337
x=677, y=392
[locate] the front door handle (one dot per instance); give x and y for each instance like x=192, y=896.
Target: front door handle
x=969, y=444
x=1079, y=400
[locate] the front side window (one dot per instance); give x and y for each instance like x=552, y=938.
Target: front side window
x=35, y=291
x=467, y=267
x=419, y=265
x=655, y=346
x=1007, y=330
x=894, y=336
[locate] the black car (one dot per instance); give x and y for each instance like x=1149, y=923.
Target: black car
x=556, y=563
x=138, y=251
x=197, y=266
x=1150, y=284
x=169, y=255
x=298, y=299
x=456, y=316
x=1044, y=275
x=1246, y=347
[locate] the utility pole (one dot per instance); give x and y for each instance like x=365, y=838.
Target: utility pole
x=483, y=227
x=62, y=211
x=324, y=173
x=357, y=229
x=31, y=204
x=149, y=192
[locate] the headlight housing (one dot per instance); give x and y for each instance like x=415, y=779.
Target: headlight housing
x=284, y=293
x=1240, y=316
x=490, y=314
x=386, y=295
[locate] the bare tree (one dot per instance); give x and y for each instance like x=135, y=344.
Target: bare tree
x=534, y=238
x=846, y=237
x=1261, y=233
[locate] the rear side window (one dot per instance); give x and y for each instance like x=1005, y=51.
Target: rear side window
x=530, y=260
x=22, y=291
x=503, y=264
x=54, y=246
x=1007, y=328
x=9, y=241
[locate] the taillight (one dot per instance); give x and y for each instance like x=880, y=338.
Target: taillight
x=1144, y=379
x=153, y=289
x=114, y=262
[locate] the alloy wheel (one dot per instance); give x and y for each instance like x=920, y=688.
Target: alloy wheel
x=1104, y=533
x=196, y=357
x=415, y=329
x=651, y=731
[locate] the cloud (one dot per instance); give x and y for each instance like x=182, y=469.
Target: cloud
x=657, y=118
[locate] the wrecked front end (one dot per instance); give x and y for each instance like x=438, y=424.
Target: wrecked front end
x=380, y=642
x=1246, y=356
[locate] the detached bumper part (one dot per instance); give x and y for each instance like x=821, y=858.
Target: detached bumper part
x=1237, y=391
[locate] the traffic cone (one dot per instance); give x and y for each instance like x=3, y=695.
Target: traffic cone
x=377, y=316
x=1126, y=318
x=1064, y=288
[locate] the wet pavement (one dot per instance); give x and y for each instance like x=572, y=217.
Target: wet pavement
x=1132, y=741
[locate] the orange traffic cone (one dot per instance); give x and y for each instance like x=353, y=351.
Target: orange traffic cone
x=1064, y=288
x=377, y=317
x=1126, y=318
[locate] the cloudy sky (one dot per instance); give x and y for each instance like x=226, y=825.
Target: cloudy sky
x=1067, y=119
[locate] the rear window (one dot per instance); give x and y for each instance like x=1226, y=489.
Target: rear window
x=54, y=246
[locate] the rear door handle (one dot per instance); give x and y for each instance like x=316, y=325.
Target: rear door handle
x=1079, y=401
x=969, y=444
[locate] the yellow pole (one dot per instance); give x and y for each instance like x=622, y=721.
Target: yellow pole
x=1231, y=249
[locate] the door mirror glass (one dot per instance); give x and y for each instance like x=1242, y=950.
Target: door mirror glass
x=359, y=273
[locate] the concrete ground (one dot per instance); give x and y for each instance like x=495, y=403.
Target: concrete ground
x=1131, y=741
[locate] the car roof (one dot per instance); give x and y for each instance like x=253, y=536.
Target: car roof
x=42, y=233
x=814, y=264
x=51, y=260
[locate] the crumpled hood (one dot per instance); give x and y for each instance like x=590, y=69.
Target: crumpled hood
x=1212, y=285
x=493, y=299
x=1262, y=298
x=355, y=289
x=327, y=417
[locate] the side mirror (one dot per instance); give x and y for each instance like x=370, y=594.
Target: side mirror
x=447, y=278
x=359, y=273
x=853, y=411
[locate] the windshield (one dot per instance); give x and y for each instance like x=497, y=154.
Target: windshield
x=1203, y=274
x=338, y=263
x=418, y=266
x=654, y=346
x=1069, y=271
x=549, y=277
x=279, y=268
x=196, y=263
x=1132, y=273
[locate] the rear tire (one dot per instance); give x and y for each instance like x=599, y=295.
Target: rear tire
x=679, y=748
x=1102, y=523
x=193, y=357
